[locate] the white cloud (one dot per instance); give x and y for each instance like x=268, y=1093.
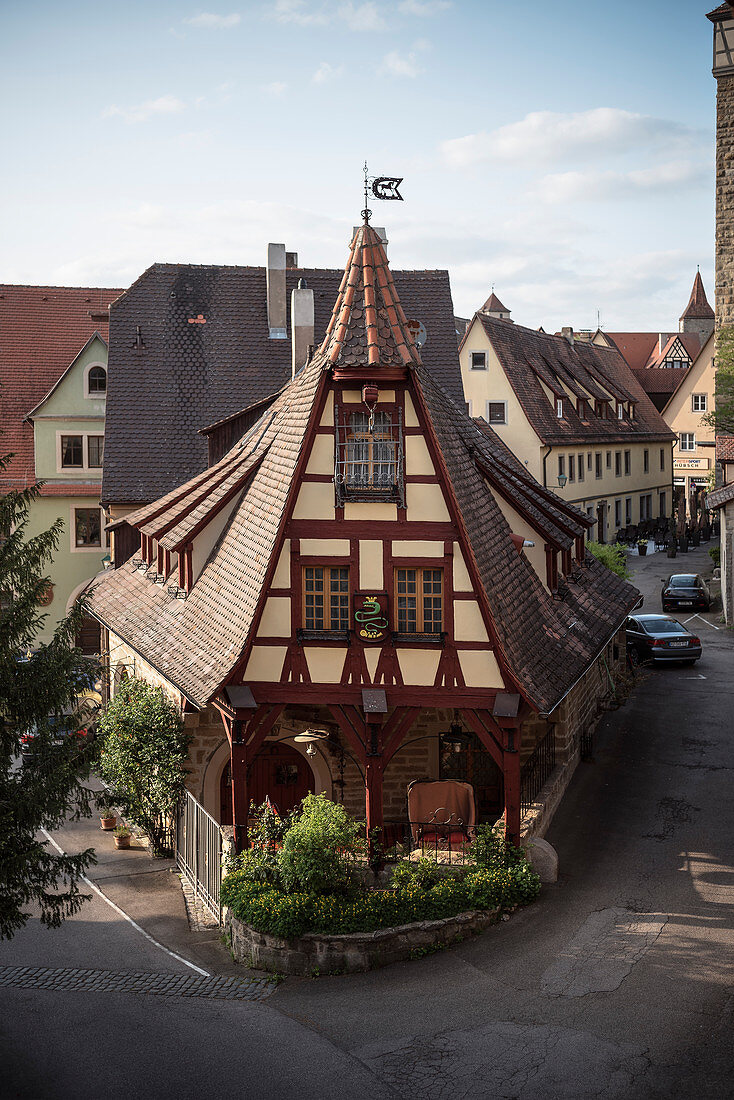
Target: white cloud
x=400, y=64
x=362, y=17
x=547, y=137
x=164, y=105
x=423, y=7
x=299, y=12
x=595, y=186
x=276, y=89
x=210, y=21
x=327, y=72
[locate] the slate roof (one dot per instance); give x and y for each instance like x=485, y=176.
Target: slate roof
x=698, y=306
x=531, y=359
x=42, y=330
x=720, y=496
x=196, y=643
x=188, y=376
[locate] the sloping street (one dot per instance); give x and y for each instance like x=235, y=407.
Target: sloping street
x=615, y=984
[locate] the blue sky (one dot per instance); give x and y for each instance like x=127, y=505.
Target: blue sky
x=560, y=152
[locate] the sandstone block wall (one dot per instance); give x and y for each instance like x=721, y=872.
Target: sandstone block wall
x=725, y=201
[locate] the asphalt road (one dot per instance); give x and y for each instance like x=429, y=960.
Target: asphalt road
x=615, y=984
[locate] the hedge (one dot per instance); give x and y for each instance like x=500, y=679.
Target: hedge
x=290, y=915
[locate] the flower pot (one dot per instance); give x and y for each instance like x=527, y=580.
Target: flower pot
x=672, y=551
x=107, y=823
x=683, y=546
x=122, y=841
x=642, y=548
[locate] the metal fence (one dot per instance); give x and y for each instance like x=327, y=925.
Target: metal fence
x=199, y=852
x=536, y=771
x=443, y=842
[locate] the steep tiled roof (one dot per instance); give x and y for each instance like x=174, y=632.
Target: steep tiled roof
x=691, y=344
x=661, y=379
x=368, y=326
x=197, y=642
x=494, y=305
x=720, y=496
x=531, y=359
x=42, y=329
x=188, y=376
x=698, y=305
x=636, y=348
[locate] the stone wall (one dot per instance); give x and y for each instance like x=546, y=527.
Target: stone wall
x=207, y=733
x=349, y=954
x=725, y=201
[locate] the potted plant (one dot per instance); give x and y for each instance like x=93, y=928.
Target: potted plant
x=107, y=819
x=122, y=836
x=642, y=546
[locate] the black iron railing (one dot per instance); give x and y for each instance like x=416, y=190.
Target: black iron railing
x=441, y=841
x=536, y=771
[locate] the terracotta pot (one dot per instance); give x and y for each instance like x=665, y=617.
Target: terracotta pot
x=122, y=841
x=107, y=822
x=642, y=548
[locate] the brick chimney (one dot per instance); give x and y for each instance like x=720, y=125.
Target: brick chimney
x=275, y=282
x=302, y=325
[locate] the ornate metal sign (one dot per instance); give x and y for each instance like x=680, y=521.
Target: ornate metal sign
x=370, y=617
x=386, y=187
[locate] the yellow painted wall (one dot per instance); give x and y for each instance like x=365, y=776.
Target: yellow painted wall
x=680, y=417
x=417, y=548
x=419, y=666
x=265, y=663
x=325, y=663
x=462, y=580
x=332, y=548
x=315, y=501
x=426, y=503
x=321, y=459
x=370, y=565
x=276, y=618
x=367, y=510
x=468, y=622
x=327, y=416
x=417, y=458
x=282, y=576
x=480, y=669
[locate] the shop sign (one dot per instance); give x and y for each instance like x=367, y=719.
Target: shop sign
x=691, y=463
x=370, y=616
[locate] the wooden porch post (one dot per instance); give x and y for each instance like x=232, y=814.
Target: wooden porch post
x=511, y=771
x=373, y=773
x=240, y=799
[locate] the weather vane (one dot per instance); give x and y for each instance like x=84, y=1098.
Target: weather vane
x=381, y=187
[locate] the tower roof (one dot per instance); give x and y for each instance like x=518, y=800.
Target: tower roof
x=697, y=303
x=494, y=305
x=368, y=327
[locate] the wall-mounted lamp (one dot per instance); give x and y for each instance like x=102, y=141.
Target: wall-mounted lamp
x=562, y=479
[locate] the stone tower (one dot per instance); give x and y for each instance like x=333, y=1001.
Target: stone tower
x=698, y=316
x=723, y=21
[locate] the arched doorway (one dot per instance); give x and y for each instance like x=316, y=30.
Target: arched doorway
x=278, y=772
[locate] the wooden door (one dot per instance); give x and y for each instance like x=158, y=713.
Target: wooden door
x=279, y=772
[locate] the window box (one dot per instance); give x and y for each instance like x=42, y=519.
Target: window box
x=418, y=639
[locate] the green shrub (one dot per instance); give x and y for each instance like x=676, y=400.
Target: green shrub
x=290, y=915
x=715, y=553
x=613, y=557
x=422, y=873
x=320, y=848
x=491, y=850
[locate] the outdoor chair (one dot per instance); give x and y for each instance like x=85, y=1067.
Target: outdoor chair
x=442, y=813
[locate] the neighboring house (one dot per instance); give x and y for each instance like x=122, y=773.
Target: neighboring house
x=676, y=371
x=194, y=346
x=53, y=374
x=722, y=499
x=367, y=562
x=574, y=414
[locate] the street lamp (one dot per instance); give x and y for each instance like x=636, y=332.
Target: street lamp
x=562, y=479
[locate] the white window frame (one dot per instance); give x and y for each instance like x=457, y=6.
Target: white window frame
x=74, y=549
x=486, y=412
x=95, y=396
x=559, y=408
x=687, y=441
x=702, y=399
x=477, y=366
x=620, y=411
x=85, y=468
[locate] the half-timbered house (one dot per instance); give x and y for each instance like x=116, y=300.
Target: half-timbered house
x=367, y=588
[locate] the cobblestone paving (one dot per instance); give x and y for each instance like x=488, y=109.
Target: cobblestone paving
x=159, y=985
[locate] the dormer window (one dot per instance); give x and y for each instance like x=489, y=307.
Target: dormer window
x=582, y=407
x=601, y=408
x=620, y=411
x=559, y=408
x=369, y=456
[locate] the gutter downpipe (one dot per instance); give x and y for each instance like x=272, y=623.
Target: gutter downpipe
x=545, y=456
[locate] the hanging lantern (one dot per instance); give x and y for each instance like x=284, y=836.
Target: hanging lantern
x=454, y=739
x=370, y=395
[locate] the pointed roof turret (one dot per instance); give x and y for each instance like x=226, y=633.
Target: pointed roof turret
x=368, y=330
x=698, y=306
x=494, y=305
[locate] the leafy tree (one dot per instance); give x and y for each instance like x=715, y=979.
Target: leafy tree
x=143, y=755
x=721, y=418
x=613, y=557
x=37, y=682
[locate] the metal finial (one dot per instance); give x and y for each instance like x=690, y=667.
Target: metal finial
x=366, y=213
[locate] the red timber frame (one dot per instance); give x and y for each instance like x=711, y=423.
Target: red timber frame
x=373, y=739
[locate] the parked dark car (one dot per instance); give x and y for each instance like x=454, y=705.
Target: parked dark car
x=683, y=590
x=659, y=638
x=78, y=721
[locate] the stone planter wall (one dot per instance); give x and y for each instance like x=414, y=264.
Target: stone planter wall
x=349, y=954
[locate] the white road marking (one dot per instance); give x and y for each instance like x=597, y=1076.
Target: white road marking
x=136, y=926
x=703, y=621
x=699, y=677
